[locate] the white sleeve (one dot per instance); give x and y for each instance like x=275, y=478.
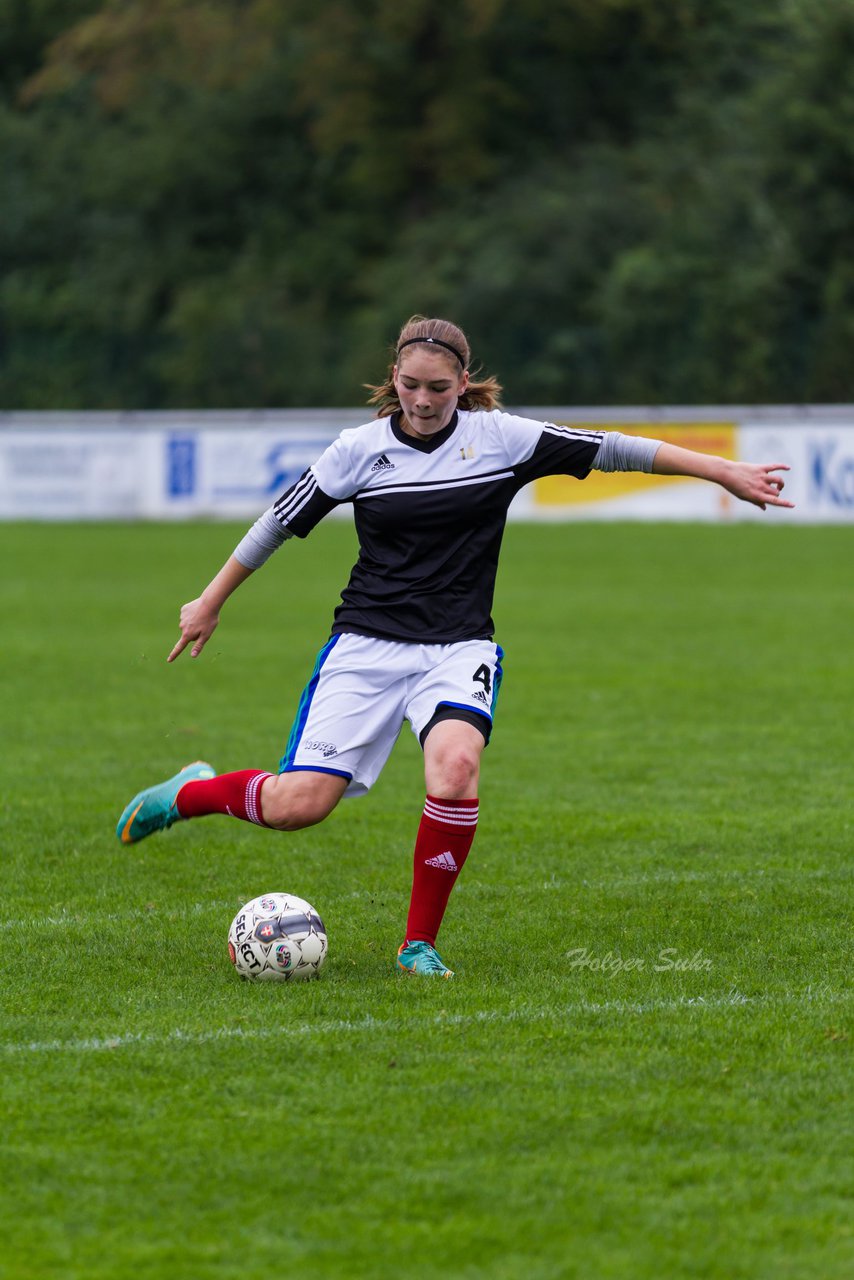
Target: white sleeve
x=520, y=435
x=333, y=470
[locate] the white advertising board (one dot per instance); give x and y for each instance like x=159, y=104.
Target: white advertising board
x=215, y=473
x=232, y=465
x=50, y=474
x=821, y=458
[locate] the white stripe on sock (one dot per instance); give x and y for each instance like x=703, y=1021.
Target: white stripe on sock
x=450, y=815
x=253, y=796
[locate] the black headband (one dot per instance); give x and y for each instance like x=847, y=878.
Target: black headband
x=434, y=342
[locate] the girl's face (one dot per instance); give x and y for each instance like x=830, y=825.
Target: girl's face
x=428, y=384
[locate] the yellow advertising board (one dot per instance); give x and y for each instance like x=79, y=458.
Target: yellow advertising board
x=562, y=491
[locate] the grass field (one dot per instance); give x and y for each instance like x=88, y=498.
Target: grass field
x=642, y=1067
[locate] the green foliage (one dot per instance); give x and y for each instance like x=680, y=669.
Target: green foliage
x=27, y=28
x=237, y=202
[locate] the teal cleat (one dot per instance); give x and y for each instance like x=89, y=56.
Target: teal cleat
x=421, y=958
x=154, y=809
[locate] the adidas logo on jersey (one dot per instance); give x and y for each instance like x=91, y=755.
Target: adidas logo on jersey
x=480, y=696
x=444, y=861
x=382, y=464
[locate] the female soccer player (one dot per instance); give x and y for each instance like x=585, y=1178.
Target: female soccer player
x=430, y=480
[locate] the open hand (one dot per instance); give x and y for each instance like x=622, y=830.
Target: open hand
x=757, y=483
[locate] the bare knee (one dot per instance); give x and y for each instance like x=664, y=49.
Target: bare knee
x=292, y=801
x=452, y=760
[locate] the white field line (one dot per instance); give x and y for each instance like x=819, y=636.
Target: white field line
x=64, y=919
x=369, y=1024
x=172, y=911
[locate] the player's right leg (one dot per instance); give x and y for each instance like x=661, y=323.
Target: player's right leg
x=347, y=722
x=285, y=802
x=291, y=801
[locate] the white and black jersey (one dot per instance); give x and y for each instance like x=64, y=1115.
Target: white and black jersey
x=429, y=515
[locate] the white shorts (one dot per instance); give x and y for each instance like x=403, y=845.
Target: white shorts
x=362, y=689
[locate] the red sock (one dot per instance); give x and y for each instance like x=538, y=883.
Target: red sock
x=442, y=846
x=237, y=794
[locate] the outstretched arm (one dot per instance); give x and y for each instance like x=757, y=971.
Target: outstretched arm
x=199, y=617
x=751, y=481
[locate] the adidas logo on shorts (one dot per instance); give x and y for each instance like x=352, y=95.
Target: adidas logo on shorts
x=444, y=861
x=382, y=464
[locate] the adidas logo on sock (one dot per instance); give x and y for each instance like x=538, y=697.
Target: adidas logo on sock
x=444, y=861
x=382, y=464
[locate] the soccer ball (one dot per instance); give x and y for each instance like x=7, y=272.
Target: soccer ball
x=277, y=937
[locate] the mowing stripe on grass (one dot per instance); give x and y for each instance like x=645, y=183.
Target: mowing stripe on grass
x=651, y=878
x=347, y=1026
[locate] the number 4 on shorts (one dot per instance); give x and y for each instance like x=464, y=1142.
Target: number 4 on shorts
x=483, y=676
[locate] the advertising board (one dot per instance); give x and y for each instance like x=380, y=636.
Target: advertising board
x=233, y=465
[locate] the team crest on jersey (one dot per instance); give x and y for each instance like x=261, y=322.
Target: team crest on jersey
x=382, y=464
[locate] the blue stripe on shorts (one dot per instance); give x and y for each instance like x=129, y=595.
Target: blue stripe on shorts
x=499, y=674
x=305, y=706
x=316, y=768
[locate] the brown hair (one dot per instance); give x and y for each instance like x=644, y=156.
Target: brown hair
x=483, y=394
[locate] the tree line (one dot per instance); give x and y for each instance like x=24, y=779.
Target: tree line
x=219, y=203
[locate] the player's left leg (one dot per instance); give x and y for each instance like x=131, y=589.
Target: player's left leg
x=450, y=710
x=452, y=751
